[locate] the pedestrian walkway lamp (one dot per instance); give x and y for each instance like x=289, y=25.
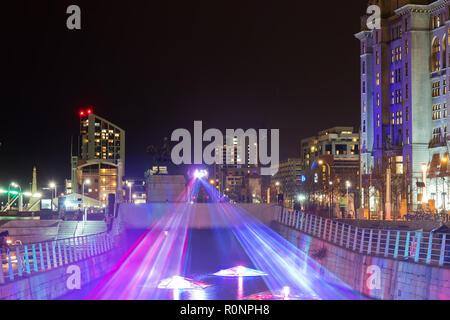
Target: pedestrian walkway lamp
x=52, y=186
x=331, y=197
x=15, y=185
x=88, y=182
x=129, y=184
x=348, y=185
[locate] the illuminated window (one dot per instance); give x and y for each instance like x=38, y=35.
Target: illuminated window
x=436, y=55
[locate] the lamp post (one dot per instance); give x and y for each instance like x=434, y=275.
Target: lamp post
x=129, y=184
x=87, y=181
x=331, y=197
x=348, y=184
x=52, y=186
x=15, y=185
x=277, y=184
x=330, y=183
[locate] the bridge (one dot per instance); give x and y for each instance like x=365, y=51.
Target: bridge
x=222, y=251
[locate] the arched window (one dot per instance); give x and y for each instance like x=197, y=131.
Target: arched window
x=436, y=55
x=444, y=52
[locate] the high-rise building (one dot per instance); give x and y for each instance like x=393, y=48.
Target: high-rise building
x=287, y=181
x=98, y=167
x=404, y=103
x=236, y=177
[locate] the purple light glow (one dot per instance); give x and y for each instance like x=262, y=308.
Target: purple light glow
x=178, y=282
x=240, y=271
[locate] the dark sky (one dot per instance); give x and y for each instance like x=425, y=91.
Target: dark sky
x=151, y=67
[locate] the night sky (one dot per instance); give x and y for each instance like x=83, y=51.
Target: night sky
x=154, y=67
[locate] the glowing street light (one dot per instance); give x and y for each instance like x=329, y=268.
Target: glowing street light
x=15, y=185
x=129, y=184
x=88, y=182
x=348, y=185
x=53, y=186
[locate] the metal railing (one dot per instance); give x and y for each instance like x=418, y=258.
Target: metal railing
x=24, y=260
x=420, y=247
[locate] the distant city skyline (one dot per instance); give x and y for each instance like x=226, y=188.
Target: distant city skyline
x=158, y=70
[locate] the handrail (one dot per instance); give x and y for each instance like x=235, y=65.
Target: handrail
x=24, y=260
x=415, y=246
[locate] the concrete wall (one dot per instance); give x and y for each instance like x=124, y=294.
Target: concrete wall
x=425, y=226
x=399, y=280
x=143, y=215
x=52, y=284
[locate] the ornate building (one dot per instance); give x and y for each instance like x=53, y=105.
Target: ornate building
x=404, y=105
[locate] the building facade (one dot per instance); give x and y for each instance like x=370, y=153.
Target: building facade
x=235, y=177
x=342, y=143
x=404, y=104
x=287, y=181
x=98, y=167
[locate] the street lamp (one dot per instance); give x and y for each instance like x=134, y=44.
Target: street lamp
x=330, y=183
x=52, y=186
x=129, y=184
x=348, y=185
x=88, y=182
x=331, y=198
x=15, y=185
